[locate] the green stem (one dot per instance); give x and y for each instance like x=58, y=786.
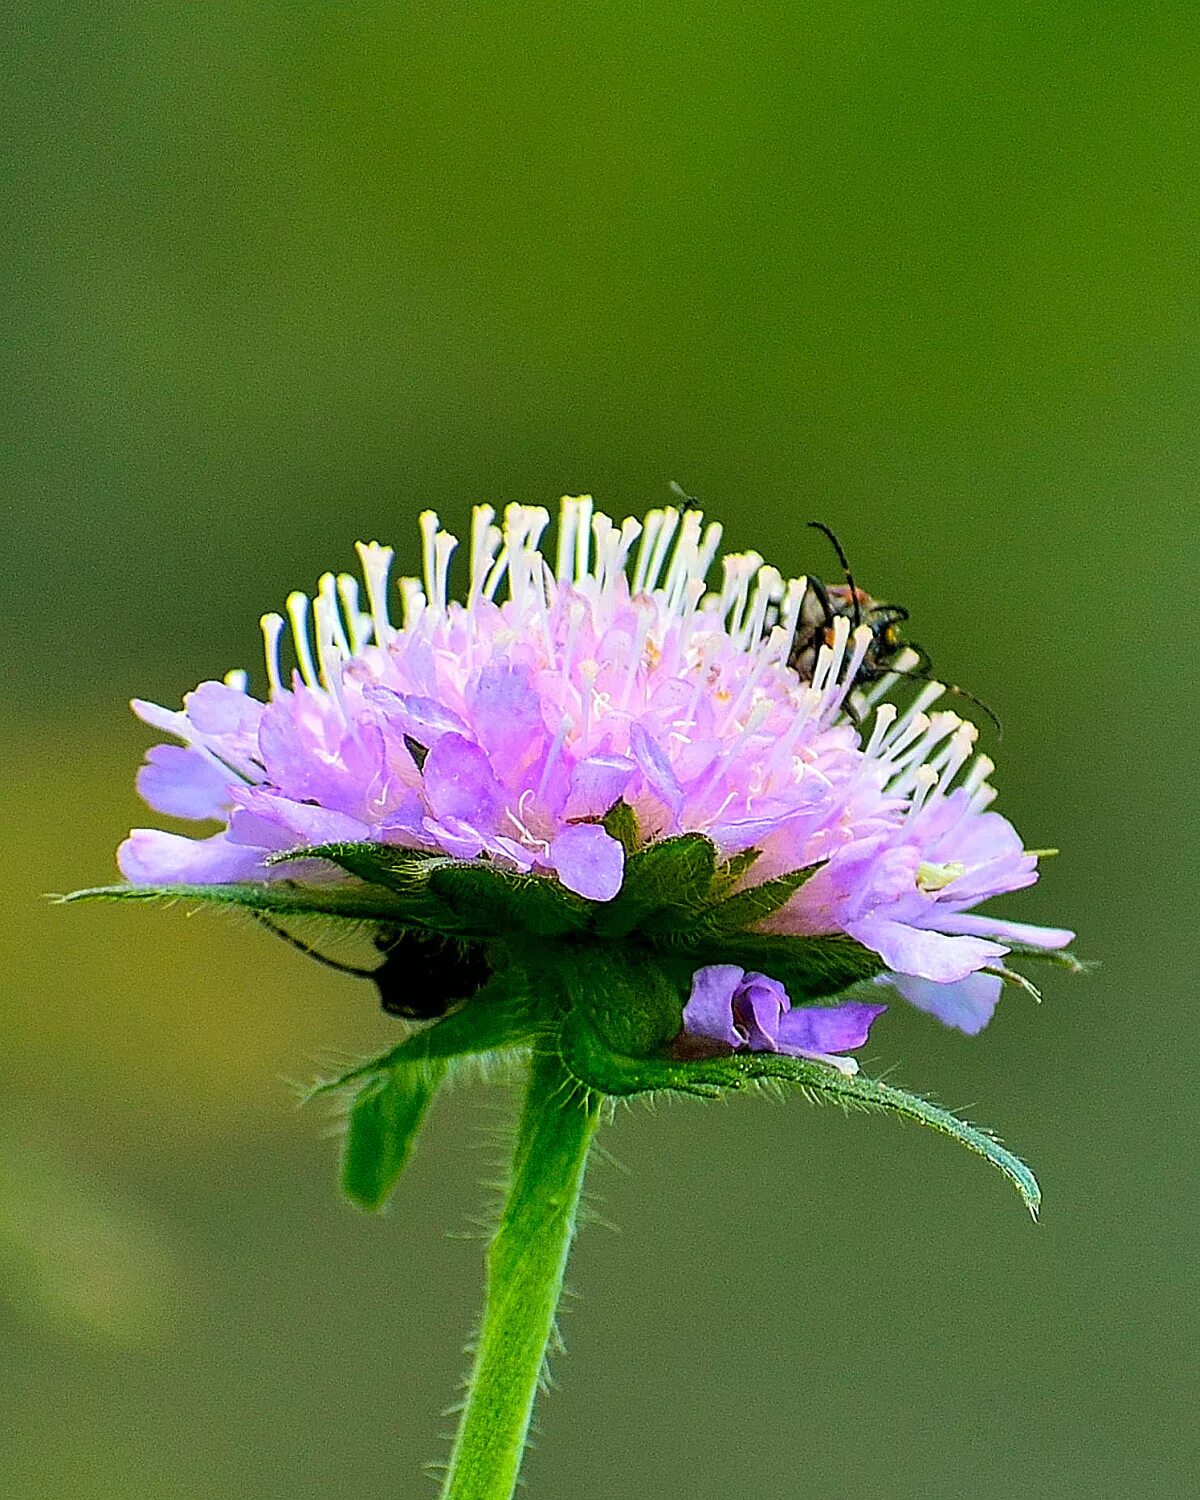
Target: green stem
x=525, y=1265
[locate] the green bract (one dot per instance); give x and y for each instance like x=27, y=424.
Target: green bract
x=598, y=988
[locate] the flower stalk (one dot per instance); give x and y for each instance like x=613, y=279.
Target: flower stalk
x=526, y=1261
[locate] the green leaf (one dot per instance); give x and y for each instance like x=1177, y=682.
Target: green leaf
x=1013, y=980
x=385, y=1120
x=809, y=968
x=730, y=872
x=397, y=869
x=460, y=897
x=488, y=900
x=742, y=910
x=593, y=1064
x=620, y=822
x=632, y=999
x=671, y=876
x=1059, y=958
x=588, y=1057
x=510, y=1011
x=281, y=898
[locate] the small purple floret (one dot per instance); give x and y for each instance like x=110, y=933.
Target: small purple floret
x=737, y=1009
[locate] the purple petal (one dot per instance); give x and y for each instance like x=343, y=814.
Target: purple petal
x=709, y=1010
x=967, y=1004
x=453, y=836
x=733, y=835
x=298, y=740
x=589, y=861
x=656, y=769
x=757, y=1007
x=827, y=1028
x=425, y=719
x=150, y=857
x=185, y=783
x=168, y=720
x=1004, y=931
x=459, y=783
x=216, y=708
x=596, y=783
x=270, y=821
x=916, y=950
x=520, y=856
x=403, y=822
x=506, y=714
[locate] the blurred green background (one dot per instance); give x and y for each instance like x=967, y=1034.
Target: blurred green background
x=278, y=277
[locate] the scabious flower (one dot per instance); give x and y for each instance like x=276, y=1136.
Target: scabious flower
x=606, y=818
x=506, y=728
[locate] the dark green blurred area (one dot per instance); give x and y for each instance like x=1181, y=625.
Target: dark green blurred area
x=281, y=276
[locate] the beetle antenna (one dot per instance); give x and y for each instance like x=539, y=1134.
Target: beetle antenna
x=958, y=693
x=302, y=947
x=845, y=562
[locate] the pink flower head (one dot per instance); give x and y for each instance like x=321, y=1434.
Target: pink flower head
x=506, y=727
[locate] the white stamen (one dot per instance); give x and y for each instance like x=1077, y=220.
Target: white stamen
x=358, y=625
x=830, y=656
x=328, y=608
x=272, y=628
x=499, y=568
x=332, y=645
x=954, y=756
x=485, y=538
x=526, y=837
x=568, y=522
x=552, y=756
x=755, y=720
x=925, y=779
x=684, y=556
x=443, y=549
x=429, y=524
x=768, y=589
x=905, y=662
x=637, y=654
x=412, y=600
x=929, y=694
x=885, y=716
x=297, y=608
x=651, y=526
x=583, y=536
x=376, y=565
x=238, y=679
x=708, y=549
x=576, y=612
x=793, y=600
x=979, y=773
x=905, y=769
x=662, y=543
x=902, y=738
x=740, y=571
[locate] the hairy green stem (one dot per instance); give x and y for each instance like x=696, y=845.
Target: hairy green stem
x=525, y=1265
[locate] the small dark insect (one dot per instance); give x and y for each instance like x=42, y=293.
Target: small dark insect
x=824, y=603
x=419, y=979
